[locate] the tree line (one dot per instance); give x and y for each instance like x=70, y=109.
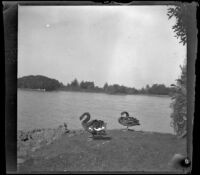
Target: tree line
x=89, y=86
x=42, y=82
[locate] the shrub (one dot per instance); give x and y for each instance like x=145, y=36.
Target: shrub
x=179, y=105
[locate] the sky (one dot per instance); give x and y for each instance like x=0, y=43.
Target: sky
x=128, y=45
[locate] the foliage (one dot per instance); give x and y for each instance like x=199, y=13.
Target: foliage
x=39, y=82
x=179, y=96
x=74, y=83
x=180, y=13
x=159, y=89
x=87, y=85
x=179, y=104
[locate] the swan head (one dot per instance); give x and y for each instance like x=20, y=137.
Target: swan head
x=125, y=113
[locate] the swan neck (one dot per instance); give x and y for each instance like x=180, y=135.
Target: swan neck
x=86, y=119
x=126, y=113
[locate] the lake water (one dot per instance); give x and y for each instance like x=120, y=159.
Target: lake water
x=50, y=109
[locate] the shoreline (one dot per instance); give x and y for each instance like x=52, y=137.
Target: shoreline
x=81, y=129
x=119, y=94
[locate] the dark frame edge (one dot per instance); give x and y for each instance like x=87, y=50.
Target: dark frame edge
x=11, y=67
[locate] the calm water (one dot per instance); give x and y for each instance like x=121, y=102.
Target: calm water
x=50, y=109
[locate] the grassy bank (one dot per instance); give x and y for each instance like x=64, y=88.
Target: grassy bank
x=119, y=151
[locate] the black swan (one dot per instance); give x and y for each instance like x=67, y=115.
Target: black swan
x=95, y=127
x=127, y=120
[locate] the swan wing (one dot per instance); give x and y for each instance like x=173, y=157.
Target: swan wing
x=128, y=121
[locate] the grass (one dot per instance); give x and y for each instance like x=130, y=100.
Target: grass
x=119, y=151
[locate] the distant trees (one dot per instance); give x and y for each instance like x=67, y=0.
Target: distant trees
x=74, y=83
x=119, y=89
x=105, y=87
x=89, y=86
x=157, y=89
x=114, y=89
x=83, y=85
x=39, y=82
x=42, y=82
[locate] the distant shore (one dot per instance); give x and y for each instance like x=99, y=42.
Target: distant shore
x=60, y=149
x=82, y=91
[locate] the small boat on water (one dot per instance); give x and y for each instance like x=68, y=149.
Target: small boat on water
x=127, y=120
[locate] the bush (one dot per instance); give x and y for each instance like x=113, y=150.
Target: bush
x=179, y=105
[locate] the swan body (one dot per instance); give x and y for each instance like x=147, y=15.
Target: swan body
x=127, y=120
x=95, y=127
